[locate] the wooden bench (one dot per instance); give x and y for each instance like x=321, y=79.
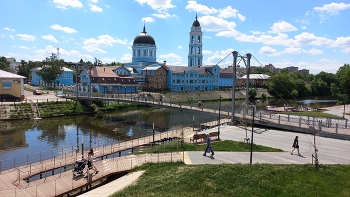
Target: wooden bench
x=214, y=134
x=197, y=137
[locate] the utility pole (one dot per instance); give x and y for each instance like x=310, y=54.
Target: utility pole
x=234, y=76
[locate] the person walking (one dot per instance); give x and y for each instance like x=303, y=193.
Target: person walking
x=295, y=145
x=208, y=148
x=90, y=161
x=199, y=104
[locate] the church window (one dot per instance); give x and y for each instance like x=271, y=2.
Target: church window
x=145, y=53
x=139, y=52
x=199, y=50
x=178, y=81
x=199, y=61
x=191, y=50
x=151, y=53
x=191, y=62
x=134, y=53
x=192, y=40
x=199, y=39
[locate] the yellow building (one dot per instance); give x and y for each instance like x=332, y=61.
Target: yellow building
x=11, y=84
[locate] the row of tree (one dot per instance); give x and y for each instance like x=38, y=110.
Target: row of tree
x=299, y=85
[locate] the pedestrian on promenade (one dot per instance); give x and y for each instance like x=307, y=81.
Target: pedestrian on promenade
x=90, y=161
x=208, y=148
x=295, y=145
x=199, y=104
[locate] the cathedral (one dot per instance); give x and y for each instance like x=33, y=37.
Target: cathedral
x=144, y=49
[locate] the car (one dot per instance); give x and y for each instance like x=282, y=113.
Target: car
x=9, y=97
x=37, y=92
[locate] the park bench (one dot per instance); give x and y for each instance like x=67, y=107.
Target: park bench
x=197, y=137
x=214, y=134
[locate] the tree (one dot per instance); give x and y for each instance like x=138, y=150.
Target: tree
x=97, y=62
x=4, y=64
x=340, y=88
x=281, y=85
x=252, y=93
x=25, y=68
x=52, y=68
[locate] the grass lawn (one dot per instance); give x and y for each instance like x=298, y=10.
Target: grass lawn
x=227, y=145
x=319, y=114
x=178, y=179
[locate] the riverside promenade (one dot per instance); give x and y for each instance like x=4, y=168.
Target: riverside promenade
x=330, y=151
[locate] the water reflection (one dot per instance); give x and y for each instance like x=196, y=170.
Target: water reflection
x=22, y=138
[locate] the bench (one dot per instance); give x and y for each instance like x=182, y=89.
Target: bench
x=197, y=137
x=214, y=134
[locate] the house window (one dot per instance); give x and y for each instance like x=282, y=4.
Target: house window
x=151, y=53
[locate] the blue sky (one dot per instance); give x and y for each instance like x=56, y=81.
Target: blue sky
x=308, y=34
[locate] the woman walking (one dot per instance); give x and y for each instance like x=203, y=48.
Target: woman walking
x=90, y=161
x=295, y=145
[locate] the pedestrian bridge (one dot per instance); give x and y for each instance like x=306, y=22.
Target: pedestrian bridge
x=319, y=126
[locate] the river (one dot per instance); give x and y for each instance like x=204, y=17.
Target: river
x=18, y=139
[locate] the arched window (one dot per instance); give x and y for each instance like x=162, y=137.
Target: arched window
x=139, y=52
x=145, y=53
x=199, y=39
x=191, y=50
x=192, y=40
x=199, y=61
x=134, y=53
x=191, y=62
x=199, y=50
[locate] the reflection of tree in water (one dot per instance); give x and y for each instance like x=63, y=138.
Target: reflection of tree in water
x=12, y=134
x=52, y=130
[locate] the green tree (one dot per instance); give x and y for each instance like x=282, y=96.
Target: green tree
x=4, y=64
x=281, y=85
x=340, y=88
x=97, y=62
x=25, y=68
x=252, y=93
x=51, y=69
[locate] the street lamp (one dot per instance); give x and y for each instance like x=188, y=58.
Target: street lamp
x=251, y=142
x=219, y=118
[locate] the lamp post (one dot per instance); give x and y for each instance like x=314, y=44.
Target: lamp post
x=251, y=142
x=153, y=133
x=219, y=118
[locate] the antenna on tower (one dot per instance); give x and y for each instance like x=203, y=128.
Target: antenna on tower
x=58, y=53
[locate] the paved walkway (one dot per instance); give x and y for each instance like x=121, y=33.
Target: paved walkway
x=331, y=151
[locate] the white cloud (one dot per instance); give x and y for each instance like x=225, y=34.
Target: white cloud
x=158, y=5
x=108, y=60
x=71, y=55
x=11, y=36
x=180, y=47
x=148, y=19
x=164, y=15
x=206, y=52
x=282, y=26
x=63, y=4
x=218, y=56
x=241, y=17
x=93, y=1
x=213, y=23
x=171, y=56
x=92, y=45
x=49, y=37
x=48, y=50
x=95, y=8
x=207, y=37
x=229, y=12
x=8, y=29
x=303, y=27
x=267, y=50
x=65, y=29
x=26, y=37
x=231, y=33
x=332, y=8
x=126, y=57
x=194, y=6
x=23, y=47
x=313, y=51
x=346, y=50
x=292, y=50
